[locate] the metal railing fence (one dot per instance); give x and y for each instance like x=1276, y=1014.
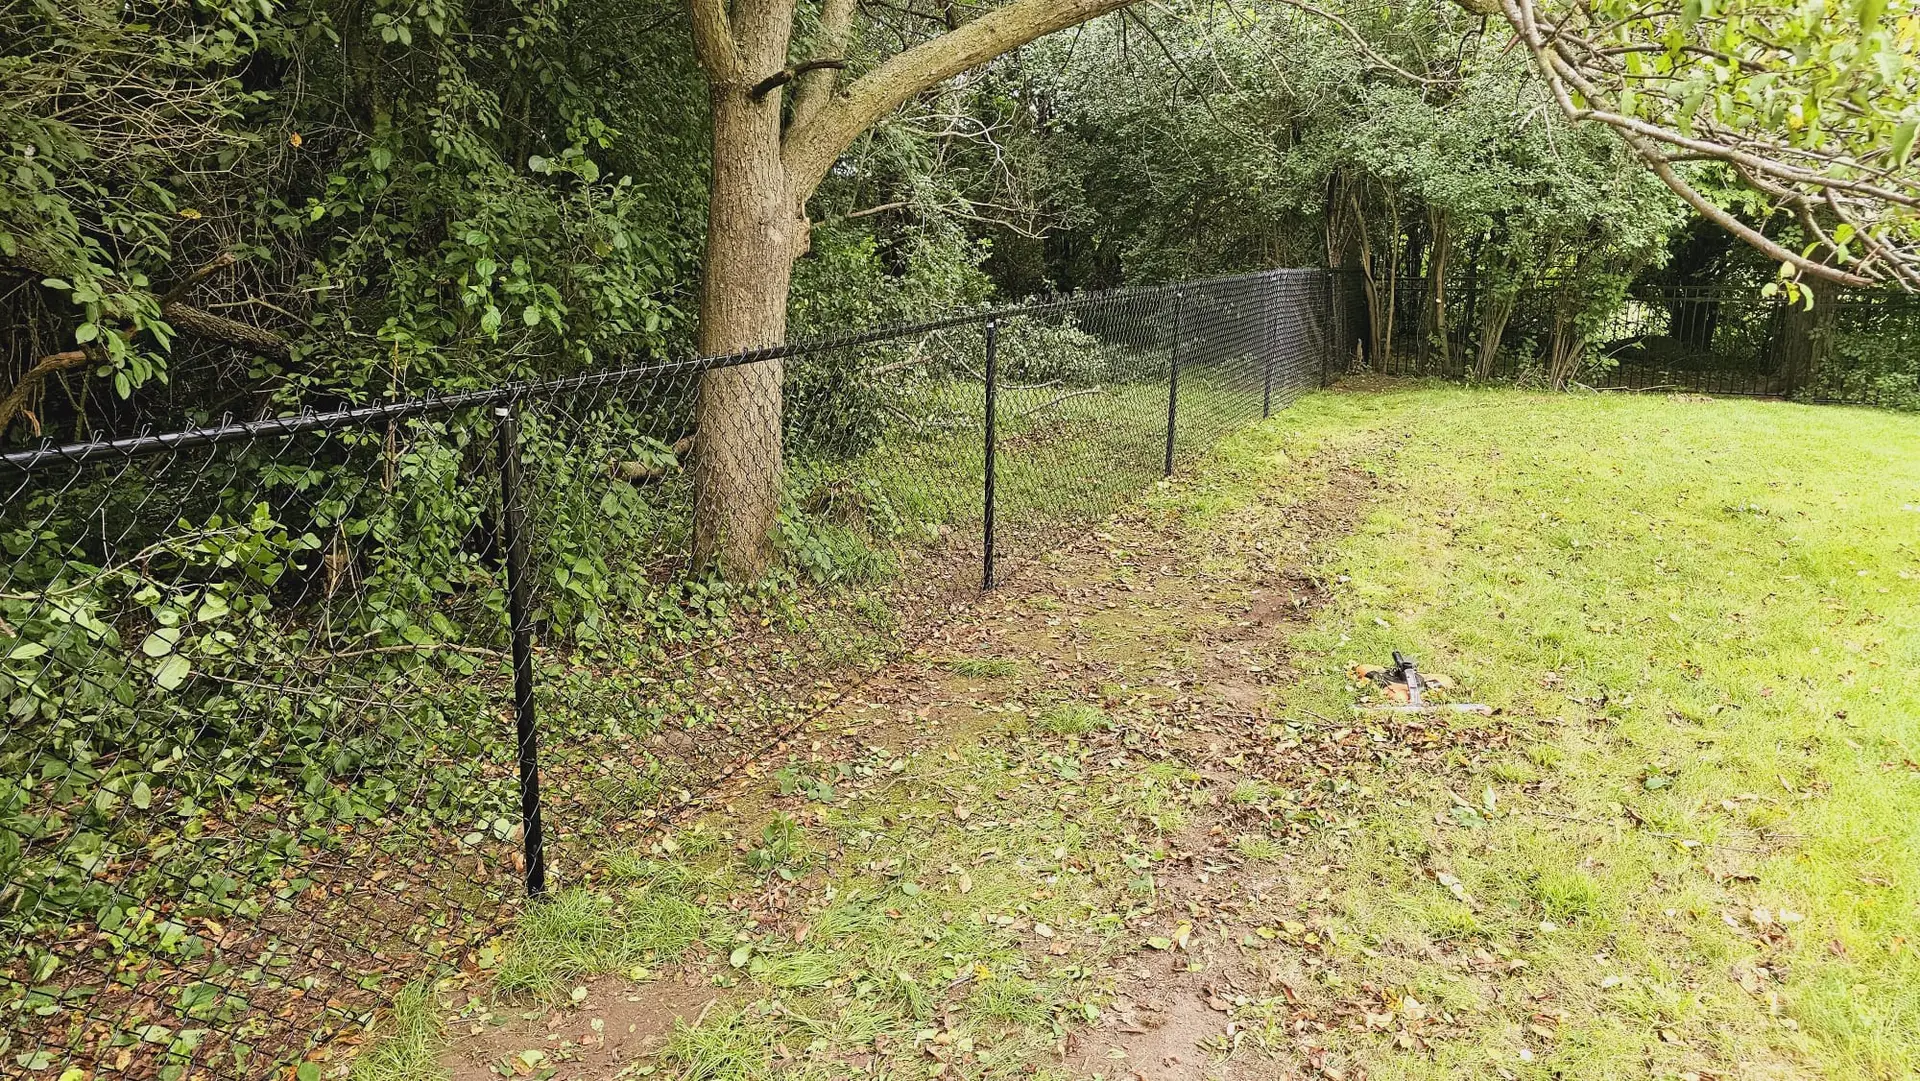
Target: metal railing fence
x=1855, y=347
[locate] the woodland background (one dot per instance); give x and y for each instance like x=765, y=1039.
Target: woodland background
x=340, y=203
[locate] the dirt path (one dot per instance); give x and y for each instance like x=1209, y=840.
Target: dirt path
x=1170, y=636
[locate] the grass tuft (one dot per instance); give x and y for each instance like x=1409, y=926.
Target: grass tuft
x=730, y=1047
x=1074, y=719
x=1568, y=896
x=574, y=933
x=407, y=1047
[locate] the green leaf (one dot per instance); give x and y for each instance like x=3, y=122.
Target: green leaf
x=1870, y=13
x=161, y=642
x=1901, y=146
x=141, y=796
x=740, y=955
x=172, y=672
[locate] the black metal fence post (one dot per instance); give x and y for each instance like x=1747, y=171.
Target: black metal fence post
x=993, y=381
x=513, y=527
x=1173, y=375
x=1270, y=338
x=1336, y=326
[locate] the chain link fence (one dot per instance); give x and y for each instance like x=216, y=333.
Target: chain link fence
x=300, y=709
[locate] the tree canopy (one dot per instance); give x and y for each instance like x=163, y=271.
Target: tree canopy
x=215, y=207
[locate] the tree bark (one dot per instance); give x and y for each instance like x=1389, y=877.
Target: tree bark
x=743, y=291
x=1494, y=313
x=757, y=224
x=1566, y=345
x=1437, y=332
x=1805, y=338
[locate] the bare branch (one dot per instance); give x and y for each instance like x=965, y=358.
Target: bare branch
x=791, y=72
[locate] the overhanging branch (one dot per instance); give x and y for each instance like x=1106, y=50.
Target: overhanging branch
x=812, y=144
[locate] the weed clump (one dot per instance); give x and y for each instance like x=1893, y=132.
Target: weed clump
x=1074, y=719
x=1567, y=896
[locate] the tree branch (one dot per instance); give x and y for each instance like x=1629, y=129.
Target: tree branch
x=1559, y=72
x=16, y=399
x=813, y=89
x=791, y=72
x=1359, y=42
x=713, y=41
x=812, y=145
x=872, y=210
x=182, y=317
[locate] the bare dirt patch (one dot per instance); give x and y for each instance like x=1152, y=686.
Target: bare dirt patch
x=617, y=1023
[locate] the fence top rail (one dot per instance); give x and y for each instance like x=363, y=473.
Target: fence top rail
x=231, y=431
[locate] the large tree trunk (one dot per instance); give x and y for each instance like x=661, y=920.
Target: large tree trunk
x=751, y=221
x=756, y=223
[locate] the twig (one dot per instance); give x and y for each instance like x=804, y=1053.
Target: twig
x=791, y=72
x=872, y=210
x=1058, y=400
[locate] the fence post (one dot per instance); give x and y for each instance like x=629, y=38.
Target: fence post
x=513, y=526
x=1270, y=337
x=1336, y=328
x=1173, y=375
x=993, y=382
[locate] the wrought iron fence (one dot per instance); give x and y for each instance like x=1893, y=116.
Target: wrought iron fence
x=1857, y=347
x=298, y=708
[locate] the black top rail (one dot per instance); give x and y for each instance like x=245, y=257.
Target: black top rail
x=229, y=430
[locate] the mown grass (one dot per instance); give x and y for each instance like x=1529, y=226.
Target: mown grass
x=1704, y=612
x=1699, y=856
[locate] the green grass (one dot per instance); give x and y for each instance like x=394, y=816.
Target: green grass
x=1699, y=614
x=1688, y=844
x=982, y=667
x=1073, y=719
x=407, y=1046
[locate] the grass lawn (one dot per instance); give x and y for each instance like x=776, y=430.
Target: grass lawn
x=1126, y=821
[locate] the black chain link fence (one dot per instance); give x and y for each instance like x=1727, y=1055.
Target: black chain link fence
x=298, y=710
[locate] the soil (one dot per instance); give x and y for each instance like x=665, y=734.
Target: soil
x=1123, y=616
x=615, y=1025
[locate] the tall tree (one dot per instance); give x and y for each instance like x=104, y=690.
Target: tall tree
x=764, y=172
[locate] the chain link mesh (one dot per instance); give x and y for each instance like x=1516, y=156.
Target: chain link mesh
x=260, y=768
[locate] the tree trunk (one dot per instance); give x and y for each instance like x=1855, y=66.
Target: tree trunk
x=756, y=222
x=1437, y=331
x=743, y=305
x=1804, y=339
x=1563, y=352
x=1494, y=313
